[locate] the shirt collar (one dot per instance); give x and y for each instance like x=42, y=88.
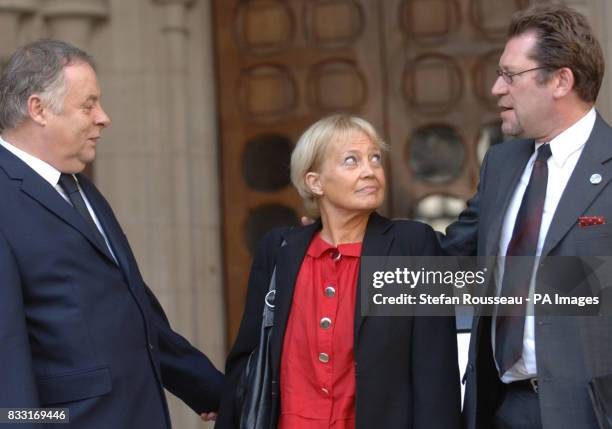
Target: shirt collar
x=319, y=247
x=572, y=139
x=47, y=171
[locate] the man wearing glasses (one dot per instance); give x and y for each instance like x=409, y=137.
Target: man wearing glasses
x=545, y=194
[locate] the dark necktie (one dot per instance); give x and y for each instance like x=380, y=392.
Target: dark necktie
x=69, y=184
x=510, y=326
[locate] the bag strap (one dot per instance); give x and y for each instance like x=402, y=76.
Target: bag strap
x=268, y=313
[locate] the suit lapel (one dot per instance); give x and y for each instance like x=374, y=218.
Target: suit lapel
x=40, y=190
x=580, y=192
x=108, y=222
x=513, y=170
x=288, y=262
x=375, y=243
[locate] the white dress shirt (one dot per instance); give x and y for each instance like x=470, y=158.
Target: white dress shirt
x=566, y=149
x=52, y=175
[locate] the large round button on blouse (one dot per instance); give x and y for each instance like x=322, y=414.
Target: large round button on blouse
x=325, y=322
x=330, y=292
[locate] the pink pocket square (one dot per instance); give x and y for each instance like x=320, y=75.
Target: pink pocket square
x=584, y=221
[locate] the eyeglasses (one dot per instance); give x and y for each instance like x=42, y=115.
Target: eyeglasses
x=509, y=77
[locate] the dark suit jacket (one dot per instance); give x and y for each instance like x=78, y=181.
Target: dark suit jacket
x=76, y=330
x=570, y=350
x=406, y=368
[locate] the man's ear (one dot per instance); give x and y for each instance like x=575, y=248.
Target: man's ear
x=37, y=110
x=564, y=82
x=313, y=181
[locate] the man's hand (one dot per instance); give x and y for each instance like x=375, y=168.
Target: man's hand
x=209, y=417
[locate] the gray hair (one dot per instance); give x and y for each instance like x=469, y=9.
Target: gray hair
x=311, y=148
x=36, y=68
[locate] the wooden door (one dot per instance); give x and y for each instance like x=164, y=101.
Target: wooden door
x=418, y=70
x=441, y=62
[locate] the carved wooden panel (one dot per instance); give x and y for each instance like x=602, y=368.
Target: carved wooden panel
x=433, y=83
x=264, y=27
x=266, y=91
x=429, y=21
x=333, y=24
x=485, y=73
x=337, y=85
x=490, y=18
x=419, y=70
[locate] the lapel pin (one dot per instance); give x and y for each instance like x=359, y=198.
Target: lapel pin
x=595, y=179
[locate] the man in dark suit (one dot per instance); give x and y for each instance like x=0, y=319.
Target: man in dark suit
x=543, y=195
x=79, y=329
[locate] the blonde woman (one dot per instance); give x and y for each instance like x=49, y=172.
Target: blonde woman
x=331, y=367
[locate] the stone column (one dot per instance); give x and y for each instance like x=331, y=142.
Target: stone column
x=177, y=144
x=188, y=155
x=11, y=12
x=73, y=20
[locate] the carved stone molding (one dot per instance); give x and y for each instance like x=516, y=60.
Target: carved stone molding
x=11, y=12
x=20, y=6
x=73, y=20
x=175, y=11
x=93, y=9
x=185, y=3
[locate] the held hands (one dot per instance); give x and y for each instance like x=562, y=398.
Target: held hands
x=305, y=220
x=208, y=417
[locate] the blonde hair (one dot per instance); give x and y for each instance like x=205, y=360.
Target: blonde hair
x=310, y=150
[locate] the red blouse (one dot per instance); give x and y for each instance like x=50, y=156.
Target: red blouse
x=317, y=379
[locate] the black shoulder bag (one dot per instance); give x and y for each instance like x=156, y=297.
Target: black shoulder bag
x=256, y=379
